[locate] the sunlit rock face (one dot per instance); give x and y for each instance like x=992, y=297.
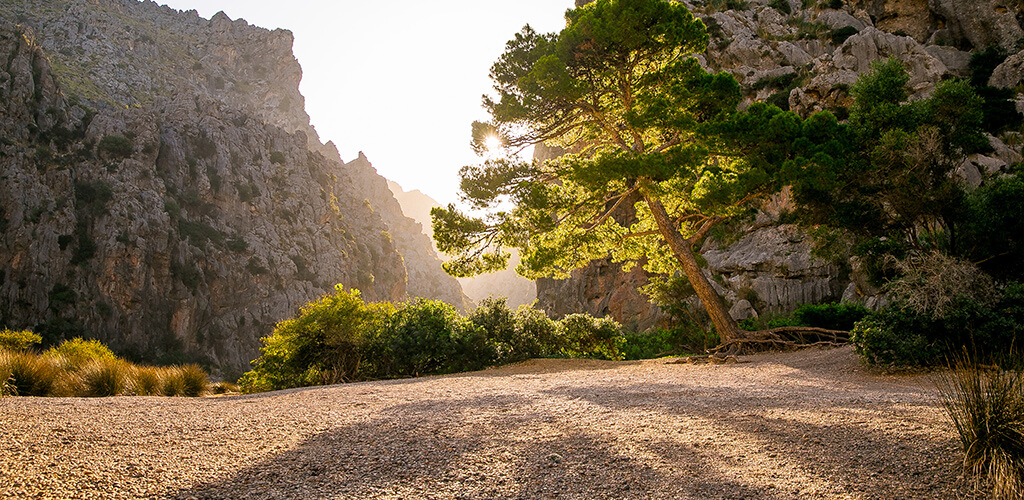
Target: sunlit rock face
x=805, y=60
x=161, y=188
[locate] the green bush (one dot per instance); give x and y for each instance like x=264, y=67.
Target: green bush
x=429, y=336
x=340, y=338
x=684, y=339
x=18, y=340
x=831, y=316
x=79, y=351
x=115, y=146
x=781, y=6
x=986, y=406
x=515, y=335
x=277, y=157
x=901, y=336
x=583, y=336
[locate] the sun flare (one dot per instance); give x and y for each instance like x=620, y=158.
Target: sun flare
x=493, y=144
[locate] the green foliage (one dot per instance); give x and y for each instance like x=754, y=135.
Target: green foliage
x=115, y=146
x=340, y=338
x=277, y=157
x=686, y=338
x=247, y=191
x=998, y=108
x=79, y=351
x=583, y=336
x=200, y=232
x=832, y=316
x=516, y=335
x=18, y=340
x=781, y=6
x=902, y=336
x=992, y=225
x=92, y=197
x=885, y=182
x=986, y=406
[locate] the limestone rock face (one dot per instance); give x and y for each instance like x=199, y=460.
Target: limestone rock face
x=806, y=60
x=161, y=188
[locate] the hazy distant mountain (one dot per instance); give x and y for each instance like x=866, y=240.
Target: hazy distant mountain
x=507, y=283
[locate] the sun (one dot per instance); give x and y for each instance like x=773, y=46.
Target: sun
x=493, y=144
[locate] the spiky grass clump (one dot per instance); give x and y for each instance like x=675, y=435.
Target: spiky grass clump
x=31, y=375
x=172, y=382
x=986, y=405
x=106, y=377
x=147, y=381
x=6, y=381
x=195, y=381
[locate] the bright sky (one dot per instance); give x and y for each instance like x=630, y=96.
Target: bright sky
x=399, y=80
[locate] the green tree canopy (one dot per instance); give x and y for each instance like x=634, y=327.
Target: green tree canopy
x=649, y=170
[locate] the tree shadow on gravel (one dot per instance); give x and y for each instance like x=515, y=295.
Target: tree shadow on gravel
x=870, y=449
x=483, y=447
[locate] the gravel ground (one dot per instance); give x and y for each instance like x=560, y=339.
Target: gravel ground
x=811, y=424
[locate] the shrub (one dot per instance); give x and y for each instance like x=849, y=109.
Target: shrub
x=899, y=335
x=277, y=157
x=79, y=351
x=115, y=146
x=685, y=338
x=583, y=336
x=515, y=335
x=781, y=6
x=18, y=340
x=429, y=336
x=832, y=316
x=986, y=406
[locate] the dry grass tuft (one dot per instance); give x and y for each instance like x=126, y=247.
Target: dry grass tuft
x=986, y=405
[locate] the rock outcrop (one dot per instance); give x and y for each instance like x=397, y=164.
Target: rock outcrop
x=805, y=60
x=162, y=188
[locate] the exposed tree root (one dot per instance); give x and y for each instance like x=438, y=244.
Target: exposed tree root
x=786, y=338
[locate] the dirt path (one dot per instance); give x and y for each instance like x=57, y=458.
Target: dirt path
x=812, y=424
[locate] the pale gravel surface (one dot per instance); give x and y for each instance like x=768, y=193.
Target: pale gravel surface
x=812, y=424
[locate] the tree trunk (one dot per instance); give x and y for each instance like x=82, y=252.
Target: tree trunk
x=726, y=327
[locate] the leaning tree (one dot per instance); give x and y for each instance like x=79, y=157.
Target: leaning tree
x=644, y=125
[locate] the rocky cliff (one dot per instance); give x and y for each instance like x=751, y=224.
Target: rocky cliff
x=162, y=189
x=803, y=56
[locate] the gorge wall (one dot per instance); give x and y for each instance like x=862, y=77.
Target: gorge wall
x=162, y=190
x=803, y=55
